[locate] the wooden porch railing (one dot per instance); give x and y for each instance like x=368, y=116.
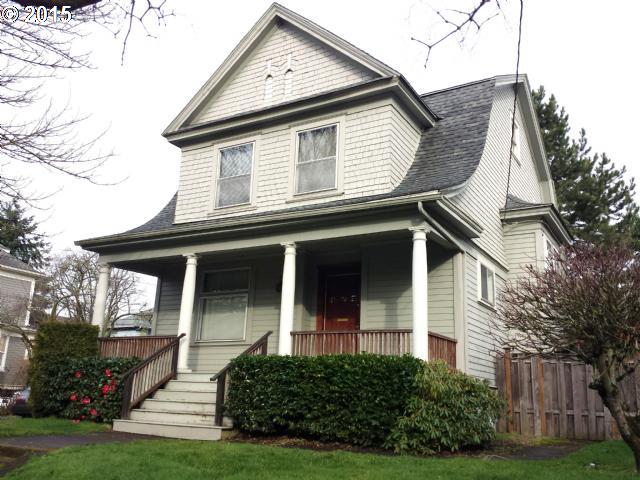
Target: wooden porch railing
x=259, y=347
x=146, y=377
x=381, y=342
x=141, y=347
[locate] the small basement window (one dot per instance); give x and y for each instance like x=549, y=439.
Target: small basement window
x=486, y=284
x=316, y=165
x=234, y=175
x=224, y=301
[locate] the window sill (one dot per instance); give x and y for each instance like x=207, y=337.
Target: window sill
x=301, y=197
x=488, y=305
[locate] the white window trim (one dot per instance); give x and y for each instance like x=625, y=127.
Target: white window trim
x=3, y=360
x=483, y=262
x=516, y=146
x=295, y=129
x=202, y=296
x=213, y=208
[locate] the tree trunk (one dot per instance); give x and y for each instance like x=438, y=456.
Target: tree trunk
x=609, y=391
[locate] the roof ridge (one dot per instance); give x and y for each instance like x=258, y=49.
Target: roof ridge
x=461, y=85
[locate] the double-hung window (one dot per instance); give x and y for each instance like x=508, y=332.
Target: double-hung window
x=486, y=284
x=316, y=159
x=235, y=167
x=224, y=301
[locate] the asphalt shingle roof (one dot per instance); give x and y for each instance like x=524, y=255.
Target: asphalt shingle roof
x=514, y=203
x=447, y=155
x=8, y=260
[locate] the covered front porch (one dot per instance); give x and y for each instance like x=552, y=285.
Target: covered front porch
x=350, y=295
x=385, y=283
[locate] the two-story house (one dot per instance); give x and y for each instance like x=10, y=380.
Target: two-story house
x=17, y=284
x=321, y=197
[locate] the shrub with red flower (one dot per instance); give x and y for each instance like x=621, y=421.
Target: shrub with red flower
x=87, y=387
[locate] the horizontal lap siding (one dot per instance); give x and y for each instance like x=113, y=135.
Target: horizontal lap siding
x=520, y=248
x=316, y=68
x=14, y=295
x=484, y=195
x=263, y=315
x=14, y=364
x=168, y=308
x=480, y=349
x=388, y=302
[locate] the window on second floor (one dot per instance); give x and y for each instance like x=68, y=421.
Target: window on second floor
x=316, y=159
x=486, y=284
x=234, y=175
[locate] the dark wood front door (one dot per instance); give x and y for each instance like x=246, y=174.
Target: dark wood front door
x=339, y=299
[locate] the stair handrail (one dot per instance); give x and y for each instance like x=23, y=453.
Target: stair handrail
x=128, y=403
x=259, y=347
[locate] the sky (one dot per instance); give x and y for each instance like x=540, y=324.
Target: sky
x=580, y=50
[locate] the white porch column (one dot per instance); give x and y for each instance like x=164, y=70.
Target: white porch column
x=419, y=273
x=287, y=301
x=186, y=310
x=100, y=302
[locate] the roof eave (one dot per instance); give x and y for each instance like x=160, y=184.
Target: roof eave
x=547, y=213
x=97, y=243
x=21, y=271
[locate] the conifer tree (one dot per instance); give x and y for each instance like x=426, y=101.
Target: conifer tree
x=19, y=233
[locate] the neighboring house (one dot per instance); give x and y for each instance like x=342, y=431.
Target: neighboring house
x=17, y=283
x=321, y=197
x=133, y=325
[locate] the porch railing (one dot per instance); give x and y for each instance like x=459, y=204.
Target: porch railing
x=259, y=347
x=381, y=342
x=141, y=347
x=145, y=378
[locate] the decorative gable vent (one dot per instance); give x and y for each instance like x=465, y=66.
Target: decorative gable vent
x=288, y=78
x=268, y=84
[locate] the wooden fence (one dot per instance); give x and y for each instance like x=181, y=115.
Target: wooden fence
x=551, y=397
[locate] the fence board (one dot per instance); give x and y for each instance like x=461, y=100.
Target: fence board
x=551, y=397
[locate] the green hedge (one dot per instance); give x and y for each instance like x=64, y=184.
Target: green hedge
x=86, y=388
x=54, y=342
x=449, y=411
x=347, y=398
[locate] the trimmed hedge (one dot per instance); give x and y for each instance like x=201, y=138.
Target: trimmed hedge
x=449, y=411
x=86, y=388
x=54, y=342
x=348, y=398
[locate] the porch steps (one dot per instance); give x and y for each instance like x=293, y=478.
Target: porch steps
x=184, y=408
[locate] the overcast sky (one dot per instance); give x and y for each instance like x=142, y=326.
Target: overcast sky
x=585, y=52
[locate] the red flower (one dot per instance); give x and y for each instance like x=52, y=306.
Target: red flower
x=73, y=397
x=86, y=400
x=82, y=417
x=93, y=412
x=107, y=372
x=78, y=374
x=105, y=389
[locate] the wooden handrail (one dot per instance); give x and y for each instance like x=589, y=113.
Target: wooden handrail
x=149, y=375
x=259, y=347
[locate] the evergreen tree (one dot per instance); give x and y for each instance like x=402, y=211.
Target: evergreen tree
x=594, y=197
x=19, y=233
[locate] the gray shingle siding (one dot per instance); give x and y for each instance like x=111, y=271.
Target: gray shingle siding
x=446, y=157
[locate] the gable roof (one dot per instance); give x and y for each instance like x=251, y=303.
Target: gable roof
x=447, y=156
x=10, y=262
x=274, y=13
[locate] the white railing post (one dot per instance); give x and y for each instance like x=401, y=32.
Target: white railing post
x=287, y=301
x=419, y=285
x=186, y=310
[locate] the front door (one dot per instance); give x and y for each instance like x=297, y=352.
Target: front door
x=340, y=299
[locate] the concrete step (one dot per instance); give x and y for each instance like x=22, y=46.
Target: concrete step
x=194, y=377
x=191, y=386
x=184, y=396
x=179, y=406
x=167, y=416
x=183, y=431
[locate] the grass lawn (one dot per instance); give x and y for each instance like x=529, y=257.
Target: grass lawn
x=19, y=427
x=171, y=459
